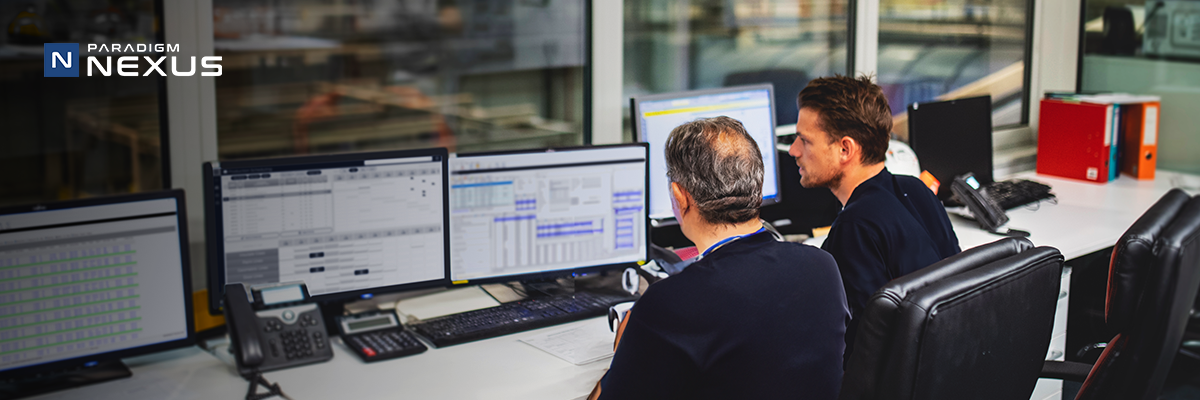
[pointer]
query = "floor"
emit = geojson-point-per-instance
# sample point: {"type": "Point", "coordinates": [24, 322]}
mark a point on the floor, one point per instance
{"type": "Point", "coordinates": [1182, 384]}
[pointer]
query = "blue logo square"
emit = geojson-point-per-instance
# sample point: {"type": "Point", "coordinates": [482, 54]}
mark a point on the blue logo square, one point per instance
{"type": "Point", "coordinates": [60, 60]}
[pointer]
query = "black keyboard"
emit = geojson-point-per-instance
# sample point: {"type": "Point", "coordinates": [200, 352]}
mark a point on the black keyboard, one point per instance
{"type": "Point", "coordinates": [1016, 193]}
{"type": "Point", "coordinates": [516, 316]}
{"type": "Point", "coordinates": [383, 344]}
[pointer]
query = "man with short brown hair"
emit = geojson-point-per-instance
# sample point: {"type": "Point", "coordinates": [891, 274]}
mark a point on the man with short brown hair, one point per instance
{"type": "Point", "coordinates": [890, 225]}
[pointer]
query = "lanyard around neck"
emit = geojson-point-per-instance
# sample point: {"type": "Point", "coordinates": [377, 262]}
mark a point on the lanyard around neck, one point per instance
{"type": "Point", "coordinates": [725, 241]}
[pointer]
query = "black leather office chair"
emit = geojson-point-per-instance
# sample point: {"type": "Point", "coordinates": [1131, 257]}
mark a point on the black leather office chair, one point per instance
{"type": "Point", "coordinates": [973, 326]}
{"type": "Point", "coordinates": [1152, 285]}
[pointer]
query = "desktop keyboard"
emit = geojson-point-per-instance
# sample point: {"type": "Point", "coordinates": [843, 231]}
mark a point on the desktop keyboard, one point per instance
{"type": "Point", "coordinates": [1016, 193]}
{"type": "Point", "coordinates": [1010, 194]}
{"type": "Point", "coordinates": [516, 316]}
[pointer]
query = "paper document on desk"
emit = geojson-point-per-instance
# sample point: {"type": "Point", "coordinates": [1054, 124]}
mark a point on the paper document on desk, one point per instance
{"type": "Point", "coordinates": [579, 345]}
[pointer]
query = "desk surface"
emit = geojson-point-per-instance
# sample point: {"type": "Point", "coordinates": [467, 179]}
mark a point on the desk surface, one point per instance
{"type": "Point", "coordinates": [1087, 218]}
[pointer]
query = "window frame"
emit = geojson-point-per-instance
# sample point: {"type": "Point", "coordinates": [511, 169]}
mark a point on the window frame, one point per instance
{"type": "Point", "coordinates": [191, 102]}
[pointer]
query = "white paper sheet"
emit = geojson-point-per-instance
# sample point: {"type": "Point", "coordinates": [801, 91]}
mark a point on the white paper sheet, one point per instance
{"type": "Point", "coordinates": [579, 345]}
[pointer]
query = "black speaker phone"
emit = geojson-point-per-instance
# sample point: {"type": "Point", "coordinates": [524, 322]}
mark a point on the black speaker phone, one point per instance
{"type": "Point", "coordinates": [280, 329]}
{"type": "Point", "coordinates": [989, 214]}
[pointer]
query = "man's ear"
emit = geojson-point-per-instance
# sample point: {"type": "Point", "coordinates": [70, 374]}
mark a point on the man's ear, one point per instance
{"type": "Point", "coordinates": [683, 200]}
{"type": "Point", "coordinates": [849, 151]}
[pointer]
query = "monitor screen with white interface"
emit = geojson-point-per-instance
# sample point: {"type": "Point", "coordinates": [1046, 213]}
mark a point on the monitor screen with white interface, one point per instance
{"type": "Point", "coordinates": [547, 212]}
{"type": "Point", "coordinates": [92, 280]}
{"type": "Point", "coordinates": [348, 225]}
{"type": "Point", "coordinates": [655, 116]}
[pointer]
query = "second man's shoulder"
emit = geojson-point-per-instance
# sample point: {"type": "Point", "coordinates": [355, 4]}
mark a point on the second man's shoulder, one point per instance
{"type": "Point", "coordinates": [808, 254]}
{"type": "Point", "coordinates": [913, 185]}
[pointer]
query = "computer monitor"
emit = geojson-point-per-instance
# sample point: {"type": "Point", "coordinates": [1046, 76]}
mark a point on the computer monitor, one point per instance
{"type": "Point", "coordinates": [88, 282]}
{"type": "Point", "coordinates": [952, 138]}
{"type": "Point", "coordinates": [347, 225]}
{"type": "Point", "coordinates": [654, 116]}
{"type": "Point", "coordinates": [546, 213]}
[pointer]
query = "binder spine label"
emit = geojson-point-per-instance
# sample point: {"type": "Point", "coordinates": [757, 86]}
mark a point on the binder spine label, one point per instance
{"type": "Point", "coordinates": [1150, 129]}
{"type": "Point", "coordinates": [1108, 120]}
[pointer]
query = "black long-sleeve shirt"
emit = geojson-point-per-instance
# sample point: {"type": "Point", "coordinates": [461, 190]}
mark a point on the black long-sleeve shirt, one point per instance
{"type": "Point", "coordinates": [755, 319]}
{"type": "Point", "coordinates": [891, 225]}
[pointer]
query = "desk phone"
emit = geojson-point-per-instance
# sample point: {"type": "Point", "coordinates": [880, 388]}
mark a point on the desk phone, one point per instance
{"type": "Point", "coordinates": [280, 330]}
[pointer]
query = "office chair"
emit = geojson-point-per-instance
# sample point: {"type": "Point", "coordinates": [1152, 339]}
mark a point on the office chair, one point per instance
{"type": "Point", "coordinates": [1153, 278]}
{"type": "Point", "coordinates": [1120, 32]}
{"type": "Point", "coordinates": [973, 326]}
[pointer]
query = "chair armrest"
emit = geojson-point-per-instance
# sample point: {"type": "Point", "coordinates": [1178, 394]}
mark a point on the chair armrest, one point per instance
{"type": "Point", "coordinates": [1066, 370]}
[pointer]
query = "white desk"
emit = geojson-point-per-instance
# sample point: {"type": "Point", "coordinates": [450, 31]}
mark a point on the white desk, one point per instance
{"type": "Point", "coordinates": [1087, 218]}
{"type": "Point", "coordinates": [497, 368]}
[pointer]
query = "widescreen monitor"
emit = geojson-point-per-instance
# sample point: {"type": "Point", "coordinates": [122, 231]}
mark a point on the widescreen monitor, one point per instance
{"type": "Point", "coordinates": [547, 213]}
{"type": "Point", "coordinates": [347, 225]}
{"type": "Point", "coordinates": [654, 117]}
{"type": "Point", "coordinates": [92, 281]}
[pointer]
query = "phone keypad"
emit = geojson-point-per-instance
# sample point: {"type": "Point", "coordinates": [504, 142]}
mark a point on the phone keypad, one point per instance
{"type": "Point", "coordinates": [296, 344]}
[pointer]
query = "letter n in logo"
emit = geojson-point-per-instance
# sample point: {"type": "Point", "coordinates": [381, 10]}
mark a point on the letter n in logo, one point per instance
{"type": "Point", "coordinates": [61, 60]}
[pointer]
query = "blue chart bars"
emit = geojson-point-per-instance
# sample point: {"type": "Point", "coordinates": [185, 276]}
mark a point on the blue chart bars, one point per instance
{"type": "Point", "coordinates": [538, 212]}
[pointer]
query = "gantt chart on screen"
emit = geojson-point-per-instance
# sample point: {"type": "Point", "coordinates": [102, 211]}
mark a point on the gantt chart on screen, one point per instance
{"type": "Point", "coordinates": [538, 212]}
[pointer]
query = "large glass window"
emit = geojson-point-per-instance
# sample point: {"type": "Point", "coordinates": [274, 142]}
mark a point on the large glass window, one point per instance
{"type": "Point", "coordinates": [676, 45]}
{"type": "Point", "coordinates": [932, 50]}
{"type": "Point", "coordinates": [65, 138]}
{"type": "Point", "coordinates": [1149, 47]}
{"type": "Point", "coordinates": [317, 76]}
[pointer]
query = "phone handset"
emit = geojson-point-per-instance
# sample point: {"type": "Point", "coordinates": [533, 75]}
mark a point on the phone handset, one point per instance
{"type": "Point", "coordinates": [280, 328]}
{"type": "Point", "coordinates": [247, 345]}
{"type": "Point", "coordinates": [989, 214]}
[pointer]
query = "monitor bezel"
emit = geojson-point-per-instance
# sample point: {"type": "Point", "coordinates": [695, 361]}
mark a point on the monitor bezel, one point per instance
{"type": "Point", "coordinates": [635, 104]}
{"type": "Point", "coordinates": [185, 271]}
{"type": "Point", "coordinates": [575, 271]}
{"type": "Point", "coordinates": [214, 230]}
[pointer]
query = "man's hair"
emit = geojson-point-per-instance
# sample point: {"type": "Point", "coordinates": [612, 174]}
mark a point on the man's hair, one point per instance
{"type": "Point", "coordinates": [851, 107]}
{"type": "Point", "coordinates": [719, 164]}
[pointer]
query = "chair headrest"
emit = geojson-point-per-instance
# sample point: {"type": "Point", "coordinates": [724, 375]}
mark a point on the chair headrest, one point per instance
{"type": "Point", "coordinates": [1133, 253]}
{"type": "Point", "coordinates": [956, 264]}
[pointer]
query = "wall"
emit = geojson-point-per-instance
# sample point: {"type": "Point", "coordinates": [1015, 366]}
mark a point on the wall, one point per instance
{"type": "Point", "coordinates": [1179, 85]}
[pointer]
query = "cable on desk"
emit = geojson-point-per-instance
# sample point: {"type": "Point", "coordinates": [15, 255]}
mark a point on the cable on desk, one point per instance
{"type": "Point", "coordinates": [519, 291]}
{"type": "Point", "coordinates": [272, 388]}
{"type": "Point", "coordinates": [220, 350]}
{"type": "Point", "coordinates": [1037, 205]}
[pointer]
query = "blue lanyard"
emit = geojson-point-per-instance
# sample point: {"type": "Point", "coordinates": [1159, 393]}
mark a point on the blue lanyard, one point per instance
{"type": "Point", "coordinates": [727, 240]}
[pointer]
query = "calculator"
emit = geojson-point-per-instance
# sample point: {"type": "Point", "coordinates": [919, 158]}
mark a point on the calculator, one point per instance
{"type": "Point", "coordinates": [378, 336]}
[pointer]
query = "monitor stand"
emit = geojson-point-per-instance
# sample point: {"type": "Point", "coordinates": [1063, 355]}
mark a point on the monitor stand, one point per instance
{"type": "Point", "coordinates": [59, 380]}
{"type": "Point", "coordinates": [549, 287]}
{"type": "Point", "coordinates": [606, 281]}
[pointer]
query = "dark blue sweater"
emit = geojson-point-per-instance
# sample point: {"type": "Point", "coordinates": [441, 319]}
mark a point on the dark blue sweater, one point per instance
{"type": "Point", "coordinates": [891, 225]}
{"type": "Point", "coordinates": [755, 319]}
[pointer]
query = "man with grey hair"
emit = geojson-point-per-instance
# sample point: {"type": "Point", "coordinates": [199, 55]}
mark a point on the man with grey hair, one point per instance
{"type": "Point", "coordinates": [753, 318]}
